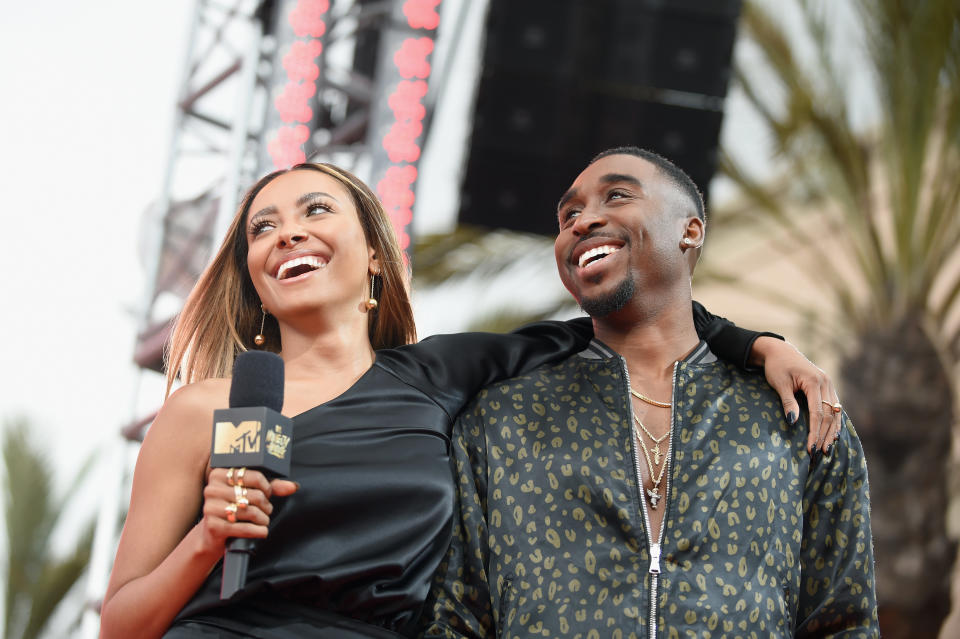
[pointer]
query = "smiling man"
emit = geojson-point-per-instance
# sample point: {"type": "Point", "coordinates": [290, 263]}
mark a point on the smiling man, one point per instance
{"type": "Point", "coordinates": [643, 488]}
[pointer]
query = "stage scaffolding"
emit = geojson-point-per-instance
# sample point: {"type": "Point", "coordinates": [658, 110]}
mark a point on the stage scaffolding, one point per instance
{"type": "Point", "coordinates": [267, 84]}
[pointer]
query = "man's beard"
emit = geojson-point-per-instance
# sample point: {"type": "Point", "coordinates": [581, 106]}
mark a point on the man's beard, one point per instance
{"type": "Point", "coordinates": [603, 306]}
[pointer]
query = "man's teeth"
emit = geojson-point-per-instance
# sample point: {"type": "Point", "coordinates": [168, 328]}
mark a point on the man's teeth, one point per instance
{"type": "Point", "coordinates": [308, 260]}
{"type": "Point", "coordinates": [599, 251]}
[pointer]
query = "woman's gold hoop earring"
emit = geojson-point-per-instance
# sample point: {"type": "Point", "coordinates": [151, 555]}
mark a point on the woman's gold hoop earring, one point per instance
{"type": "Point", "coordinates": [371, 302]}
{"type": "Point", "coordinates": [259, 339]}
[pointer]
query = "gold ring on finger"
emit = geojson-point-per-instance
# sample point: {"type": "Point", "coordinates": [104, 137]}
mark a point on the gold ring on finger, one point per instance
{"type": "Point", "coordinates": [836, 407]}
{"type": "Point", "coordinates": [231, 511]}
{"type": "Point", "coordinates": [239, 492]}
{"type": "Point", "coordinates": [230, 476]}
{"type": "Point", "coordinates": [240, 473]}
{"type": "Point", "coordinates": [242, 502]}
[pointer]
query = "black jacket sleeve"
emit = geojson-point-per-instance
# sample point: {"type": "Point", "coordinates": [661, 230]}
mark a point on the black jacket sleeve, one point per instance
{"type": "Point", "coordinates": [451, 368]}
{"type": "Point", "coordinates": [728, 341]}
{"type": "Point", "coordinates": [837, 595]}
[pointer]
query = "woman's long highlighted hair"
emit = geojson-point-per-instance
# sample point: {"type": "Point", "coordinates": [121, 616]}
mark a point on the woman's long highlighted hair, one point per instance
{"type": "Point", "coordinates": [222, 313]}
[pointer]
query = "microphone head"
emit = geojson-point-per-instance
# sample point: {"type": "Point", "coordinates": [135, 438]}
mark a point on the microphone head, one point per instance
{"type": "Point", "coordinates": [257, 381]}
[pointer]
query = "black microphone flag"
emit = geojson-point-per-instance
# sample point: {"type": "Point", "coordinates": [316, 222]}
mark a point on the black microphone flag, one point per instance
{"type": "Point", "coordinates": [253, 434]}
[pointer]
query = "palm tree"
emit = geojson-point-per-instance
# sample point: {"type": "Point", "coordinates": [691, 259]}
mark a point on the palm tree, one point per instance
{"type": "Point", "coordinates": [876, 211]}
{"type": "Point", "coordinates": [37, 582]}
{"type": "Point", "coordinates": [482, 274]}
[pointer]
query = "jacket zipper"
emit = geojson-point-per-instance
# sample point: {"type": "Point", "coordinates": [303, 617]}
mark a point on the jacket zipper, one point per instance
{"type": "Point", "coordinates": [654, 548]}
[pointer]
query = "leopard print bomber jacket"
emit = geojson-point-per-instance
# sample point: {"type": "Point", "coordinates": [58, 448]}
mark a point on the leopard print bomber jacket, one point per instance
{"type": "Point", "coordinates": [550, 538]}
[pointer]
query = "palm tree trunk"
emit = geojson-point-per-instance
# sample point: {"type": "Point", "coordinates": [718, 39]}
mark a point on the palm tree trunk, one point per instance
{"type": "Point", "coordinates": [895, 387]}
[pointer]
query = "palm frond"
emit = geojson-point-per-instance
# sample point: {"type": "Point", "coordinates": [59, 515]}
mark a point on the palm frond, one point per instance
{"type": "Point", "coordinates": [893, 187]}
{"type": "Point", "coordinates": [432, 254]}
{"type": "Point", "coordinates": [54, 582]}
{"type": "Point", "coordinates": [798, 230]}
{"type": "Point", "coordinates": [28, 487]}
{"type": "Point", "coordinates": [825, 153]}
{"type": "Point", "coordinates": [37, 581]}
{"type": "Point", "coordinates": [503, 321]}
{"type": "Point", "coordinates": [942, 311]}
{"type": "Point", "coordinates": [821, 330]}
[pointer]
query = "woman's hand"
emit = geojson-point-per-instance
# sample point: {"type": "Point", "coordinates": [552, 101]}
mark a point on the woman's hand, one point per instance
{"type": "Point", "coordinates": [236, 503]}
{"type": "Point", "coordinates": [165, 554]}
{"type": "Point", "coordinates": [789, 372]}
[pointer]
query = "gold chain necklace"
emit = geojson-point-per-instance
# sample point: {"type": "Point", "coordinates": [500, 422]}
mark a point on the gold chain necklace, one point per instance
{"type": "Point", "coordinates": [656, 448]}
{"type": "Point", "coordinates": [652, 402]}
{"type": "Point", "coordinates": [653, 495]}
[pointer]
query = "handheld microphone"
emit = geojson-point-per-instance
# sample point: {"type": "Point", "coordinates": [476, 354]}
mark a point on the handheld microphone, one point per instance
{"type": "Point", "coordinates": [253, 434]}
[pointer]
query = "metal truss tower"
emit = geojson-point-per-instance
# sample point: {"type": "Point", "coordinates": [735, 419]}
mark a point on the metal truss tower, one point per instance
{"type": "Point", "coordinates": [267, 84]}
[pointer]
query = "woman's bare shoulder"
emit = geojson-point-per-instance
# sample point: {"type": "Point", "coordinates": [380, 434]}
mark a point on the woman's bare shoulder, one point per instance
{"type": "Point", "coordinates": [207, 394]}
{"type": "Point", "coordinates": [188, 411]}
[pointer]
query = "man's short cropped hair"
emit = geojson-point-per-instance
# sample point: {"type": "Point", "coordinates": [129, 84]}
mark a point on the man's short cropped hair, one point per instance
{"type": "Point", "coordinates": [673, 172]}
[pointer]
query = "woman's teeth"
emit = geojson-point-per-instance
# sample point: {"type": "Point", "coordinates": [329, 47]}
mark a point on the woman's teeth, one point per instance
{"type": "Point", "coordinates": [299, 266]}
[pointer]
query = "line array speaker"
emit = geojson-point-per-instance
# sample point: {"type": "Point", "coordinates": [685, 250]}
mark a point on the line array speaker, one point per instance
{"type": "Point", "coordinates": [565, 79]}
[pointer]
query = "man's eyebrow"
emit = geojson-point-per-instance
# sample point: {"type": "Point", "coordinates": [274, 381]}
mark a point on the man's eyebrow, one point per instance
{"type": "Point", "coordinates": [303, 199]}
{"type": "Point", "coordinates": [611, 178]}
{"type": "Point", "coordinates": [569, 195]}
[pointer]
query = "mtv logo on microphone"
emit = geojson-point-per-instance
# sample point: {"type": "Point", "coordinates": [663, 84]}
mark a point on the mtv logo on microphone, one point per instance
{"type": "Point", "coordinates": [255, 437]}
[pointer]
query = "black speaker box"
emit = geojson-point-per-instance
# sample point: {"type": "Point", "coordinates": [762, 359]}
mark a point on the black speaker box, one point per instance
{"type": "Point", "coordinates": [564, 80]}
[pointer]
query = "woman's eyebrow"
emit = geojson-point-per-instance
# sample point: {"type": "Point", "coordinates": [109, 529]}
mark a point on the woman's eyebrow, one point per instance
{"type": "Point", "coordinates": [303, 199]}
{"type": "Point", "coordinates": [267, 210]}
{"type": "Point", "coordinates": [309, 197]}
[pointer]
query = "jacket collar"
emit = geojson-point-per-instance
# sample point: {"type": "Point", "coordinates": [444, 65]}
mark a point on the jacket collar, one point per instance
{"type": "Point", "coordinates": [598, 350]}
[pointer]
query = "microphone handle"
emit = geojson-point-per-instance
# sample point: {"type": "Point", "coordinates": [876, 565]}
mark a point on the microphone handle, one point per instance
{"type": "Point", "coordinates": [256, 438]}
{"type": "Point", "coordinates": [236, 557]}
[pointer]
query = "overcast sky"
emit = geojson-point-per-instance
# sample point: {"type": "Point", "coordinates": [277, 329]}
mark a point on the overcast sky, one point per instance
{"type": "Point", "coordinates": [85, 117]}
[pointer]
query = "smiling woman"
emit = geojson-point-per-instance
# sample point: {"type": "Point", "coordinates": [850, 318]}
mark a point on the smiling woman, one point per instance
{"type": "Point", "coordinates": [310, 269]}
{"type": "Point", "coordinates": [205, 344]}
{"type": "Point", "coordinates": [299, 229]}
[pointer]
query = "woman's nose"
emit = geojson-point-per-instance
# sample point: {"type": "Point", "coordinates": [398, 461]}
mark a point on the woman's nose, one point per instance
{"type": "Point", "coordinates": [291, 235]}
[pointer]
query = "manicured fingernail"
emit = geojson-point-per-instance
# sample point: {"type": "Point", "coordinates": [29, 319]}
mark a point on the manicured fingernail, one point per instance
{"type": "Point", "coordinates": [792, 417]}
{"type": "Point", "coordinates": [297, 484]}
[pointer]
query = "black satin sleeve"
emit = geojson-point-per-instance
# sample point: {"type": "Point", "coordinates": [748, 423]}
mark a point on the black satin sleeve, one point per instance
{"type": "Point", "coordinates": [728, 341]}
{"type": "Point", "coordinates": [451, 369]}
